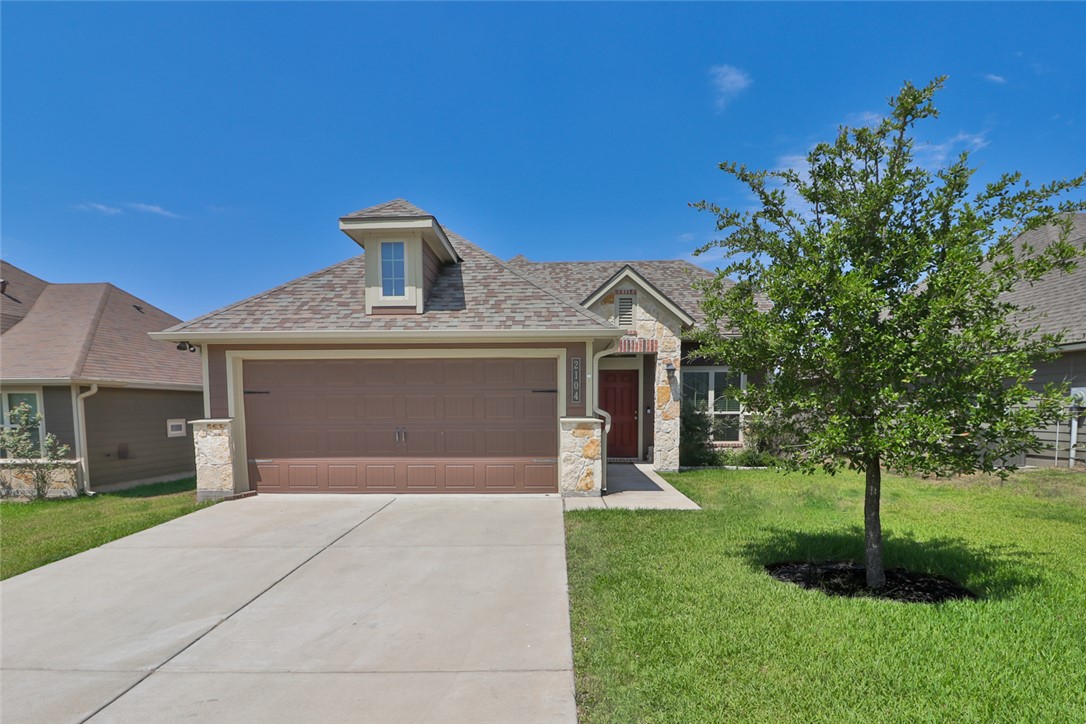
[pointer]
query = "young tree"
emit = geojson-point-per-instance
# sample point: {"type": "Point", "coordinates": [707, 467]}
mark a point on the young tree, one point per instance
{"type": "Point", "coordinates": [30, 454]}
{"type": "Point", "coordinates": [887, 342]}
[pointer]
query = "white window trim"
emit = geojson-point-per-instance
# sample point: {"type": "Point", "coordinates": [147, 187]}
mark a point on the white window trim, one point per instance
{"type": "Point", "coordinates": [381, 270]}
{"type": "Point", "coordinates": [176, 421]}
{"type": "Point", "coordinates": [710, 411]}
{"type": "Point", "coordinates": [37, 392]}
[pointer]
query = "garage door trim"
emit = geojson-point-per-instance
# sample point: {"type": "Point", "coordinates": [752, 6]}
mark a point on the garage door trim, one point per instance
{"type": "Point", "coordinates": [235, 380]}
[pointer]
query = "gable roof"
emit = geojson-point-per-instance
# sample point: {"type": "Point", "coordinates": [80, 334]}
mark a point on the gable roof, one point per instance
{"type": "Point", "coordinates": [1059, 297]}
{"type": "Point", "coordinates": [91, 333]}
{"type": "Point", "coordinates": [629, 274]}
{"type": "Point", "coordinates": [578, 280]}
{"type": "Point", "coordinates": [395, 209]}
{"type": "Point", "coordinates": [480, 294]}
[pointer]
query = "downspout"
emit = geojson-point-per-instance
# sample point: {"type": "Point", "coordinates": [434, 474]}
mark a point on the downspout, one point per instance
{"type": "Point", "coordinates": [82, 441]}
{"type": "Point", "coordinates": [594, 387]}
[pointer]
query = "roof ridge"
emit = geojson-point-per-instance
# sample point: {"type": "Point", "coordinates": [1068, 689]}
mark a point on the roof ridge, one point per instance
{"type": "Point", "coordinates": [92, 328]}
{"type": "Point", "coordinates": [586, 313]}
{"type": "Point", "coordinates": [258, 295]}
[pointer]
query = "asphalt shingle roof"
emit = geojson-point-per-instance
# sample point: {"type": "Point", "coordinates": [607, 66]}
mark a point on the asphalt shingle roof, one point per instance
{"type": "Point", "coordinates": [1059, 297]}
{"type": "Point", "coordinates": [89, 332]}
{"type": "Point", "coordinates": [481, 293]}
{"type": "Point", "coordinates": [577, 280]}
{"type": "Point", "coordinates": [397, 208]}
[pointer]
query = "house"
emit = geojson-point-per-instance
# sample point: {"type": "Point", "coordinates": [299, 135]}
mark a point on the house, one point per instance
{"type": "Point", "coordinates": [79, 354]}
{"type": "Point", "coordinates": [1060, 301]}
{"type": "Point", "coordinates": [427, 364]}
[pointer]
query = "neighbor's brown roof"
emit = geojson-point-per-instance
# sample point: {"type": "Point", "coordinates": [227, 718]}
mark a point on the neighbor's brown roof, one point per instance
{"type": "Point", "coordinates": [481, 293]}
{"type": "Point", "coordinates": [22, 290]}
{"type": "Point", "coordinates": [91, 332]}
{"type": "Point", "coordinates": [1059, 298]}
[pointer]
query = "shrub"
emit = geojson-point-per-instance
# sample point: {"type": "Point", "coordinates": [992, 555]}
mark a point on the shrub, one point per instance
{"type": "Point", "coordinates": [37, 459]}
{"type": "Point", "coordinates": [695, 439]}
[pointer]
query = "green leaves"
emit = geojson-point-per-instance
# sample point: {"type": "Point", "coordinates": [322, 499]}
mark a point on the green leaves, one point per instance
{"type": "Point", "coordinates": [885, 332]}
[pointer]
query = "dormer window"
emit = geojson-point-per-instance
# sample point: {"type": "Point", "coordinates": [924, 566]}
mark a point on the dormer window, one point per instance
{"type": "Point", "coordinates": [393, 270]}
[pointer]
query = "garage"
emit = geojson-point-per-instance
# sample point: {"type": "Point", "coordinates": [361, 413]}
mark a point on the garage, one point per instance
{"type": "Point", "coordinates": [402, 425]}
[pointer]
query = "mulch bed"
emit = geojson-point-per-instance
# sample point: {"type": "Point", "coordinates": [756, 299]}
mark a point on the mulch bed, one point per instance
{"type": "Point", "coordinates": [848, 579]}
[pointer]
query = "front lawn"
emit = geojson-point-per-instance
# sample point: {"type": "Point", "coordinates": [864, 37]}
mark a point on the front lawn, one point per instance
{"type": "Point", "coordinates": [674, 619]}
{"type": "Point", "coordinates": [33, 534]}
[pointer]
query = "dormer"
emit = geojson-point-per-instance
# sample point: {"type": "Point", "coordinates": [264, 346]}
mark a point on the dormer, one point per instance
{"type": "Point", "coordinates": [405, 250]}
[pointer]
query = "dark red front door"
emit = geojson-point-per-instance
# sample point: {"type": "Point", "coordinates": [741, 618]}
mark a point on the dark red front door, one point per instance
{"type": "Point", "coordinates": [618, 395]}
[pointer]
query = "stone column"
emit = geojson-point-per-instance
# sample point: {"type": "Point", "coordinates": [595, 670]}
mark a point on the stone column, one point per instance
{"type": "Point", "coordinates": [581, 457]}
{"type": "Point", "coordinates": [665, 454]}
{"type": "Point", "coordinates": [214, 443]}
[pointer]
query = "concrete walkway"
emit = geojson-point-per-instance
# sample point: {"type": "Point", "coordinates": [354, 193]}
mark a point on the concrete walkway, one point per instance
{"type": "Point", "coordinates": [302, 608]}
{"type": "Point", "coordinates": [635, 487]}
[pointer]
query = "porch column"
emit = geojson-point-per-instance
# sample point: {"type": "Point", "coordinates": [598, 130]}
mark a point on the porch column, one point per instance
{"type": "Point", "coordinates": [581, 457]}
{"type": "Point", "coordinates": [214, 442]}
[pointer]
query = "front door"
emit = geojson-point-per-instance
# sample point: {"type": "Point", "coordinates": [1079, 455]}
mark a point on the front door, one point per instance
{"type": "Point", "coordinates": [618, 395]}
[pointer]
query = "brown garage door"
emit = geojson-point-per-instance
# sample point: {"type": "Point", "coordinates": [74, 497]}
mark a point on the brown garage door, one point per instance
{"type": "Point", "coordinates": [379, 426]}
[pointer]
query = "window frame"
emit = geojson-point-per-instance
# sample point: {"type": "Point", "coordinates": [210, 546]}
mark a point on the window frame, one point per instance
{"type": "Point", "coordinates": [176, 421]}
{"type": "Point", "coordinates": [710, 408]}
{"type": "Point", "coordinates": [402, 278]}
{"type": "Point", "coordinates": [39, 402]}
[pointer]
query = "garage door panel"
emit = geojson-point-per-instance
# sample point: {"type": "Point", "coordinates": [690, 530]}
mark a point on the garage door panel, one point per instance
{"type": "Point", "coordinates": [302, 441]}
{"type": "Point", "coordinates": [302, 475]}
{"type": "Point", "coordinates": [402, 425]}
{"type": "Point", "coordinates": [501, 407]}
{"type": "Point", "coordinates": [381, 407]}
{"type": "Point", "coordinates": [541, 443]}
{"type": "Point", "coordinates": [421, 476]}
{"type": "Point", "coordinates": [342, 477]}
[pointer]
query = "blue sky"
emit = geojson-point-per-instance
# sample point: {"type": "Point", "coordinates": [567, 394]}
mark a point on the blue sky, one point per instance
{"type": "Point", "coordinates": [198, 153]}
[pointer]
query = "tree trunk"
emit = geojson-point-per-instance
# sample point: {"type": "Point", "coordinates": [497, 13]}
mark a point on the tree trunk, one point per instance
{"type": "Point", "coordinates": [876, 575]}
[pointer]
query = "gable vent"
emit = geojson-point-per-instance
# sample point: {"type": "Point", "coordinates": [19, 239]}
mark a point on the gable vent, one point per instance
{"type": "Point", "coordinates": [625, 311]}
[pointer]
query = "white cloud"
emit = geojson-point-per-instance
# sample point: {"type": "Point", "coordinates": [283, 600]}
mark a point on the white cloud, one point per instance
{"type": "Point", "coordinates": [936, 154]}
{"type": "Point", "coordinates": [153, 209]}
{"type": "Point", "coordinates": [728, 82]}
{"type": "Point", "coordinates": [863, 118]}
{"type": "Point", "coordinates": [993, 78]}
{"type": "Point", "coordinates": [100, 208]}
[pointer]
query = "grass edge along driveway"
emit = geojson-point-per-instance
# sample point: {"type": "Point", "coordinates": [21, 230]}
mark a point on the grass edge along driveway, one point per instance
{"type": "Point", "coordinates": [40, 532]}
{"type": "Point", "coordinates": [673, 618]}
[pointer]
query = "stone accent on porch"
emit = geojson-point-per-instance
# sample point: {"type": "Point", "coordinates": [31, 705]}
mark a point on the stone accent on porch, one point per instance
{"type": "Point", "coordinates": [214, 458]}
{"type": "Point", "coordinates": [662, 328]}
{"type": "Point", "coordinates": [580, 450]}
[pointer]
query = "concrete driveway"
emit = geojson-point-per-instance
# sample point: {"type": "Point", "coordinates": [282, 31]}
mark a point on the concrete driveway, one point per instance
{"type": "Point", "coordinates": [302, 608]}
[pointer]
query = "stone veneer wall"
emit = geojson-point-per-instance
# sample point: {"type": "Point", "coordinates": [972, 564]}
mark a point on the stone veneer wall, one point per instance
{"type": "Point", "coordinates": [214, 458]}
{"type": "Point", "coordinates": [580, 454]}
{"type": "Point", "coordinates": [653, 321]}
{"type": "Point", "coordinates": [17, 483]}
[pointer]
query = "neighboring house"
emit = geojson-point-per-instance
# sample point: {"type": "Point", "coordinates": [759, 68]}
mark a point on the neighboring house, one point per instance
{"type": "Point", "coordinates": [429, 365]}
{"type": "Point", "coordinates": [79, 354]}
{"type": "Point", "coordinates": [1060, 299]}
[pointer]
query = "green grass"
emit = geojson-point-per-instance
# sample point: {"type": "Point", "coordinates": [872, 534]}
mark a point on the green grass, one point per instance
{"type": "Point", "coordinates": [674, 619]}
{"type": "Point", "coordinates": [33, 534]}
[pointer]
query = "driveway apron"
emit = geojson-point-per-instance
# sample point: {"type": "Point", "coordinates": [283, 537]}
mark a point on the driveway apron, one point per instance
{"type": "Point", "coordinates": [302, 608]}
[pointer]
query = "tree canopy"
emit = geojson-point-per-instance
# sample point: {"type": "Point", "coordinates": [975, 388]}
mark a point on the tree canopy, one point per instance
{"type": "Point", "coordinates": [886, 336]}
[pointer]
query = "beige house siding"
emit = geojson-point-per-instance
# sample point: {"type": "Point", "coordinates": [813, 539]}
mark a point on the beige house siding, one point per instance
{"type": "Point", "coordinates": [136, 419]}
{"type": "Point", "coordinates": [57, 404]}
{"type": "Point", "coordinates": [1069, 367]}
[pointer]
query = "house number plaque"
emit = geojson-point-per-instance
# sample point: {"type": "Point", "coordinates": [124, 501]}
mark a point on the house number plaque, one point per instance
{"type": "Point", "coordinates": [575, 388]}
